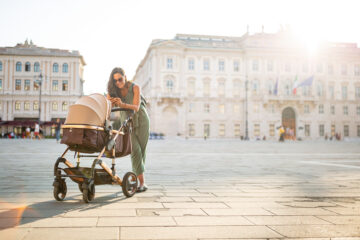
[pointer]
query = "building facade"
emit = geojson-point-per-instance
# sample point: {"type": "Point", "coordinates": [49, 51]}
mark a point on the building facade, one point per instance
{"type": "Point", "coordinates": [61, 85]}
{"type": "Point", "coordinates": [232, 87]}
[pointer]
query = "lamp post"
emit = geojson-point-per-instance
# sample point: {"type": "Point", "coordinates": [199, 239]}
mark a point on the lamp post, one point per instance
{"type": "Point", "coordinates": [246, 109]}
{"type": "Point", "coordinates": [39, 80]}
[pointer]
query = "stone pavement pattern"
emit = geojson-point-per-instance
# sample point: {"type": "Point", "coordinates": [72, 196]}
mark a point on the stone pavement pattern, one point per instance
{"type": "Point", "coordinates": [198, 190]}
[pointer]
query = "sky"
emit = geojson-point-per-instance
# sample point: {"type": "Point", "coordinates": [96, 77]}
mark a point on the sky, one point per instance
{"type": "Point", "coordinates": [117, 33]}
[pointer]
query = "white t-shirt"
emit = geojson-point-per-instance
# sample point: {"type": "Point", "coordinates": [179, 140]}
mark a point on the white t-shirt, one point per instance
{"type": "Point", "coordinates": [37, 128]}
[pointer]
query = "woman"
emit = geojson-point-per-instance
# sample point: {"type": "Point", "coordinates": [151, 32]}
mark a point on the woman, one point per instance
{"type": "Point", "coordinates": [125, 94]}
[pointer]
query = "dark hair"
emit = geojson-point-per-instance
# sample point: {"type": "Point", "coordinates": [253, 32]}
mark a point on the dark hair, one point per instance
{"type": "Point", "coordinates": [111, 87]}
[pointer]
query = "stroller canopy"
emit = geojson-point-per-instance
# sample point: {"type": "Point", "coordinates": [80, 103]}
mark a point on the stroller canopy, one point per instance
{"type": "Point", "coordinates": [90, 110]}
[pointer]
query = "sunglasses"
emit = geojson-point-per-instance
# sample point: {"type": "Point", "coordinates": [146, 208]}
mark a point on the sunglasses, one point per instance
{"type": "Point", "coordinates": [118, 80]}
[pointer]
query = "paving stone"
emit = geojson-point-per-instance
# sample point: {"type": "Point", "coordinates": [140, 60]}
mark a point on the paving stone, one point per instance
{"type": "Point", "coordinates": [195, 205]}
{"type": "Point", "coordinates": [342, 220]}
{"type": "Point", "coordinates": [285, 220]}
{"type": "Point", "coordinates": [299, 211]}
{"type": "Point", "coordinates": [135, 221]}
{"type": "Point", "coordinates": [101, 213]}
{"type": "Point", "coordinates": [305, 231]}
{"type": "Point", "coordinates": [197, 232]}
{"type": "Point", "coordinates": [171, 212]}
{"type": "Point", "coordinates": [237, 212]}
{"type": "Point", "coordinates": [210, 220]}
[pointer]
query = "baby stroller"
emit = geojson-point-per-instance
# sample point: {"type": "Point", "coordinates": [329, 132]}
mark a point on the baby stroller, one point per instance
{"type": "Point", "coordinates": [87, 130]}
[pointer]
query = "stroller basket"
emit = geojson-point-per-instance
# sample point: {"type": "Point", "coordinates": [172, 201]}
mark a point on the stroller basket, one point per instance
{"type": "Point", "coordinates": [77, 174]}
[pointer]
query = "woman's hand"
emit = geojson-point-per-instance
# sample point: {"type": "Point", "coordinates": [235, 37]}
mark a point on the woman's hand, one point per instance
{"type": "Point", "coordinates": [116, 102]}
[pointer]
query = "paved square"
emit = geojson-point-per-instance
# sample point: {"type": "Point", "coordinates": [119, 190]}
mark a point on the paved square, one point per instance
{"type": "Point", "coordinates": [224, 189]}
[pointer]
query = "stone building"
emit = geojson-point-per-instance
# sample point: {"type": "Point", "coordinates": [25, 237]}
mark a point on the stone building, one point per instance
{"type": "Point", "coordinates": [196, 87]}
{"type": "Point", "coordinates": [61, 85]}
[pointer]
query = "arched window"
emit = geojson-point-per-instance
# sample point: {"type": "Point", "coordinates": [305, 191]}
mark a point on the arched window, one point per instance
{"type": "Point", "coordinates": [18, 66]}
{"type": "Point", "coordinates": [64, 106]}
{"type": "Point", "coordinates": [0, 66]}
{"type": "Point", "coordinates": [169, 85]}
{"type": "Point", "coordinates": [65, 68]}
{"type": "Point", "coordinates": [54, 106]}
{"type": "Point", "coordinates": [55, 67]}
{"type": "Point", "coordinates": [17, 105]}
{"type": "Point", "coordinates": [27, 67]}
{"type": "Point", "coordinates": [36, 67]}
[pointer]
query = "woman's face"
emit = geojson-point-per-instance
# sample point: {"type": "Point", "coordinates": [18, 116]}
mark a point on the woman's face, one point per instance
{"type": "Point", "coordinates": [119, 80]}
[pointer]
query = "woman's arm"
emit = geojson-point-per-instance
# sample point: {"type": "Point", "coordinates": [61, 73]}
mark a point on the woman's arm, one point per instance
{"type": "Point", "coordinates": [136, 101]}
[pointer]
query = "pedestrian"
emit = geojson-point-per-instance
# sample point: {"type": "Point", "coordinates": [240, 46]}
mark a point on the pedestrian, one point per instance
{"type": "Point", "coordinates": [27, 130]}
{"type": "Point", "coordinates": [125, 94]}
{"type": "Point", "coordinates": [57, 129]}
{"type": "Point", "coordinates": [37, 131]}
{"type": "Point", "coordinates": [281, 134]}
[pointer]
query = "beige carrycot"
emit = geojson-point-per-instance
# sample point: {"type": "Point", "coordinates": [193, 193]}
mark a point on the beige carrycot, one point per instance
{"type": "Point", "coordinates": [85, 129]}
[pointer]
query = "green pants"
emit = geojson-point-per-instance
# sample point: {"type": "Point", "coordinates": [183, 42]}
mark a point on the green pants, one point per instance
{"type": "Point", "coordinates": [139, 140]}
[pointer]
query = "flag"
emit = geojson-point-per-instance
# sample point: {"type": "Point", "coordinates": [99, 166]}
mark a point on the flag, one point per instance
{"type": "Point", "coordinates": [306, 82]}
{"type": "Point", "coordinates": [295, 84]}
{"type": "Point", "coordinates": [276, 87]}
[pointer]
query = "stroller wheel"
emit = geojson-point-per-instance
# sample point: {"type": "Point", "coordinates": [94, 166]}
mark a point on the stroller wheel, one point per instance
{"type": "Point", "coordinates": [129, 184]}
{"type": "Point", "coordinates": [88, 192]}
{"type": "Point", "coordinates": [60, 189]}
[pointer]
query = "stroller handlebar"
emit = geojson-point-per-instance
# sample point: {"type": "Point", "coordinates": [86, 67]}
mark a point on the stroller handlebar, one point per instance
{"type": "Point", "coordinates": [116, 109]}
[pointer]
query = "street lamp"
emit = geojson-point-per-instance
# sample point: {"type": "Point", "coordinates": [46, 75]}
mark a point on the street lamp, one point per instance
{"type": "Point", "coordinates": [246, 109]}
{"type": "Point", "coordinates": [39, 80]}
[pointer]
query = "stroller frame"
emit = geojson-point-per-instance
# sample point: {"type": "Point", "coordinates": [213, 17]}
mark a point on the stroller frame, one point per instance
{"type": "Point", "coordinates": [87, 178]}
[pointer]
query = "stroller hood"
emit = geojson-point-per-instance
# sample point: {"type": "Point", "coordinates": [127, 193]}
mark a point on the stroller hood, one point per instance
{"type": "Point", "coordinates": [90, 110]}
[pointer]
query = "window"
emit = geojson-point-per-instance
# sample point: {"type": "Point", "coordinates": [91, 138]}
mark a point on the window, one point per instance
{"type": "Point", "coordinates": [272, 130]}
{"type": "Point", "coordinates": [221, 108]}
{"type": "Point", "coordinates": [358, 130]}
{"type": "Point", "coordinates": [332, 109]}
{"type": "Point", "coordinates": [27, 106]}
{"type": "Point", "coordinates": [27, 67]}
{"type": "Point", "coordinates": [206, 107]}
{"type": "Point", "coordinates": [306, 90]}
{"type": "Point", "coordinates": [191, 129]}
{"type": "Point", "coordinates": [257, 130]}
{"type": "Point", "coordinates": [321, 108]}
{"type": "Point", "coordinates": [270, 66]}
{"type": "Point", "coordinates": [236, 89]}
{"type": "Point", "coordinates": [306, 108]}
{"type": "Point", "coordinates": [36, 105]}
{"type": "Point", "coordinates": [1, 84]}
{"type": "Point", "coordinates": [237, 130]}
{"type": "Point", "coordinates": [319, 68]}
{"type": "Point", "coordinates": [27, 85]}
{"type": "Point", "coordinates": [236, 66]}
{"type": "Point", "coordinates": [221, 89]}
{"type": "Point", "coordinates": [344, 92]}
{"type": "Point", "coordinates": [191, 88]}
{"type": "Point", "coordinates": [64, 85]}
{"type": "Point", "coordinates": [35, 86]}
{"type": "Point", "coordinates": [17, 105]}
{"type": "Point", "coordinates": [358, 110]}
{"type": "Point", "coordinates": [36, 67]}
{"type": "Point", "coordinates": [18, 84]}
{"type": "Point", "coordinates": [255, 86]}
{"type": "Point", "coordinates": [169, 63]}
{"type": "Point", "coordinates": [55, 67]}
{"type": "Point", "coordinates": [343, 69]}
{"type": "Point", "coordinates": [272, 107]}
{"type": "Point", "coordinates": [332, 129]}
{"type": "Point", "coordinates": [345, 110]}
{"type": "Point", "coordinates": [206, 88]}
{"type": "Point", "coordinates": [221, 130]}
{"type": "Point", "coordinates": [169, 85]}
{"type": "Point", "coordinates": [319, 89]}
{"type": "Point", "coordinates": [207, 130]}
{"type": "Point", "coordinates": [191, 107]}
{"type": "Point", "coordinates": [357, 70]}
{"type": "Point", "coordinates": [54, 106]}
{"type": "Point", "coordinates": [65, 68]}
{"type": "Point", "coordinates": [255, 65]}
{"type": "Point", "coordinates": [307, 130]}
{"type": "Point", "coordinates": [64, 106]}
{"type": "Point", "coordinates": [321, 130]}
{"type": "Point", "coordinates": [236, 108]}
{"type": "Point", "coordinates": [330, 69]}
{"type": "Point", "coordinates": [357, 92]}
{"type": "Point", "coordinates": [0, 66]}
{"type": "Point", "coordinates": [55, 85]}
{"type": "Point", "coordinates": [206, 64]}
{"type": "Point", "coordinates": [191, 64]}
{"type": "Point", "coordinates": [331, 91]}
{"type": "Point", "coordinates": [346, 130]}
{"type": "Point", "coordinates": [287, 89]}
{"type": "Point", "coordinates": [221, 65]}
{"type": "Point", "coordinates": [18, 66]}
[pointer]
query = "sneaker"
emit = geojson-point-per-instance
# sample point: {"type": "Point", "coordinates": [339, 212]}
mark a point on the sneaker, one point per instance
{"type": "Point", "coordinates": [142, 188]}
